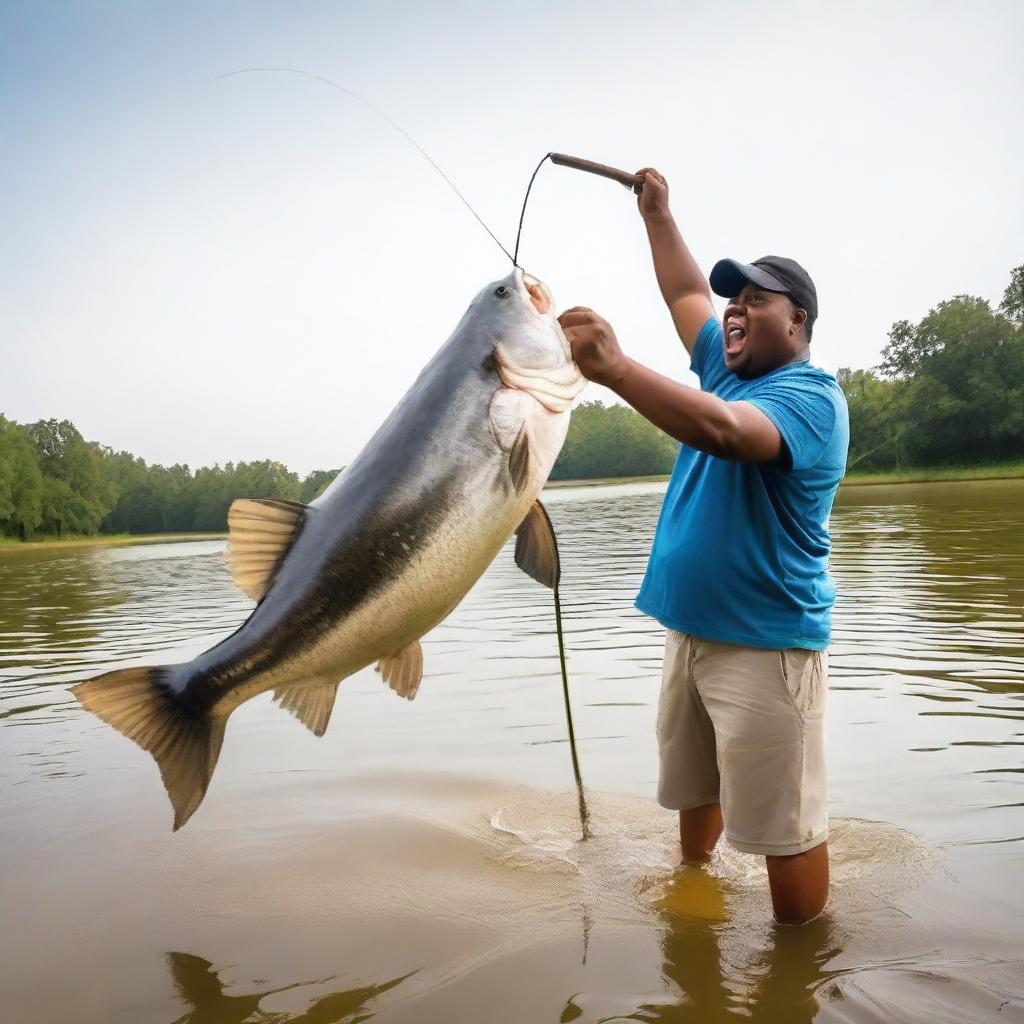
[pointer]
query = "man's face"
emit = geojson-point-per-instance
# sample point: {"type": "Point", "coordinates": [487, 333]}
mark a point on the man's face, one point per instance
{"type": "Point", "coordinates": [759, 335]}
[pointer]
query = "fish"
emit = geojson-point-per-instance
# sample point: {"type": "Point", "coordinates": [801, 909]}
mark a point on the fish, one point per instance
{"type": "Point", "coordinates": [384, 555]}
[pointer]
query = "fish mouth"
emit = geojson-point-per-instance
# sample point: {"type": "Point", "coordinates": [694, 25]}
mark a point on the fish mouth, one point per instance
{"type": "Point", "coordinates": [538, 293]}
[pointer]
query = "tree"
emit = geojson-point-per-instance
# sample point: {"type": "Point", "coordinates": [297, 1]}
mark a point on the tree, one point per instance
{"type": "Point", "coordinates": [21, 482]}
{"type": "Point", "coordinates": [613, 441]}
{"type": "Point", "coordinates": [316, 483]}
{"type": "Point", "coordinates": [876, 419]}
{"type": "Point", "coordinates": [962, 375]}
{"type": "Point", "coordinates": [77, 494]}
{"type": "Point", "coordinates": [1012, 306]}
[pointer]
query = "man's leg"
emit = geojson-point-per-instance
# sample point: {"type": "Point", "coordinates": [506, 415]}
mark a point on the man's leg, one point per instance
{"type": "Point", "coordinates": [688, 769]}
{"type": "Point", "coordinates": [699, 830]}
{"type": "Point", "coordinates": [799, 884]}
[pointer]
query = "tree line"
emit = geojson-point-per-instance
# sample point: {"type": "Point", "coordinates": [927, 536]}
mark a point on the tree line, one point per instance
{"type": "Point", "coordinates": [949, 391]}
{"type": "Point", "coordinates": [53, 482]}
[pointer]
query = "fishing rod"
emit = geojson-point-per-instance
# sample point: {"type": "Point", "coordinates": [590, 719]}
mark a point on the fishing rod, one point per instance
{"type": "Point", "coordinates": [632, 181]}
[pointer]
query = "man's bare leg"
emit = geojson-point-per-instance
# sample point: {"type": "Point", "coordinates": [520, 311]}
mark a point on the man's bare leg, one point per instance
{"type": "Point", "coordinates": [799, 885]}
{"type": "Point", "coordinates": [699, 829]}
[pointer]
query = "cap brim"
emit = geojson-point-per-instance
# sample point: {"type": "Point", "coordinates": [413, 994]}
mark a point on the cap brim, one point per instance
{"type": "Point", "coordinates": [729, 277]}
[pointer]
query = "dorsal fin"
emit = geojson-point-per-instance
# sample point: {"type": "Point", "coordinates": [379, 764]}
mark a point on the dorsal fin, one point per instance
{"type": "Point", "coordinates": [262, 531]}
{"type": "Point", "coordinates": [310, 703]}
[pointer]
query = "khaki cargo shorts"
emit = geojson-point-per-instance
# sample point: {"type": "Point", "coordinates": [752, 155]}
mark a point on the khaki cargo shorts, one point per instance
{"type": "Point", "coordinates": [745, 728]}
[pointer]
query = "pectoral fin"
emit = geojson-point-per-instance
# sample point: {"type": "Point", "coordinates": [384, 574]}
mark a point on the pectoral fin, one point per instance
{"type": "Point", "coordinates": [262, 531]}
{"type": "Point", "coordinates": [403, 670]}
{"type": "Point", "coordinates": [519, 460]}
{"type": "Point", "coordinates": [310, 703]}
{"type": "Point", "coordinates": [536, 547]}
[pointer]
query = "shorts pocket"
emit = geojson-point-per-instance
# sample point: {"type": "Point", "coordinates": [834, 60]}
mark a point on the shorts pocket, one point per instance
{"type": "Point", "coordinates": [801, 674]}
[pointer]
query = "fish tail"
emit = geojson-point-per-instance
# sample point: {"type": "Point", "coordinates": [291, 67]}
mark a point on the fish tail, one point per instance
{"type": "Point", "coordinates": [184, 742]}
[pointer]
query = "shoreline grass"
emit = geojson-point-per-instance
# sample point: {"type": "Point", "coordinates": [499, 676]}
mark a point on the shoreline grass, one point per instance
{"type": "Point", "coordinates": [104, 539]}
{"type": "Point", "coordinates": [936, 474]}
{"type": "Point", "coordinates": [864, 478]}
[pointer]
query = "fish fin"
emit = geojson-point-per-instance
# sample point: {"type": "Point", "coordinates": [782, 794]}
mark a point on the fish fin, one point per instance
{"type": "Point", "coordinates": [185, 744]}
{"type": "Point", "coordinates": [536, 547]}
{"type": "Point", "coordinates": [311, 703]}
{"type": "Point", "coordinates": [262, 531]}
{"type": "Point", "coordinates": [507, 414]}
{"type": "Point", "coordinates": [519, 460]}
{"type": "Point", "coordinates": [403, 670]}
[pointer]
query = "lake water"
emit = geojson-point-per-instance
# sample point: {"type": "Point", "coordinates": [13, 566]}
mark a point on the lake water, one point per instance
{"type": "Point", "coordinates": [422, 861]}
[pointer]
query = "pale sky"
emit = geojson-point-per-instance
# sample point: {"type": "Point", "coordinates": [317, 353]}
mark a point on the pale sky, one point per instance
{"type": "Point", "coordinates": [257, 267]}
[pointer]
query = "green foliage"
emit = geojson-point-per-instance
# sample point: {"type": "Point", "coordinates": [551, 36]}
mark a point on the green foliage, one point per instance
{"type": "Point", "coordinates": [21, 482]}
{"type": "Point", "coordinates": [609, 441]}
{"type": "Point", "coordinates": [1012, 306]}
{"type": "Point", "coordinates": [214, 489]}
{"type": "Point", "coordinates": [77, 493]}
{"type": "Point", "coordinates": [316, 483]}
{"type": "Point", "coordinates": [951, 389]}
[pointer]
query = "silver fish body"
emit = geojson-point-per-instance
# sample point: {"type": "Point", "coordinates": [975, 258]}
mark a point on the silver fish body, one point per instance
{"type": "Point", "coordinates": [384, 555]}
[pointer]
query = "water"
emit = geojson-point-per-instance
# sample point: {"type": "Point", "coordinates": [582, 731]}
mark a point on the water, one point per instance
{"type": "Point", "coordinates": [421, 862]}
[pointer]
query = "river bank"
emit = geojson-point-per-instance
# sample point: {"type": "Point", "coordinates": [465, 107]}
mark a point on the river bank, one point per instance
{"type": "Point", "coordinates": [104, 539]}
{"type": "Point", "coordinates": [921, 475]}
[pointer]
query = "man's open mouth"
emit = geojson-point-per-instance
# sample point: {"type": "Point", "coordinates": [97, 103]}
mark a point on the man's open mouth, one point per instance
{"type": "Point", "coordinates": [735, 335]}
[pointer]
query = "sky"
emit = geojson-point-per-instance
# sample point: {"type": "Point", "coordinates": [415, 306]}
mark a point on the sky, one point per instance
{"type": "Point", "coordinates": [201, 269]}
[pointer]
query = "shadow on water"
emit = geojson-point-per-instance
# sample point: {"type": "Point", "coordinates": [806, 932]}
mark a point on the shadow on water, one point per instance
{"type": "Point", "coordinates": [199, 987]}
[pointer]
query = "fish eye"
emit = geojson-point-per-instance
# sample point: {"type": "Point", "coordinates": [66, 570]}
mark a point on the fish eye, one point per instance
{"type": "Point", "coordinates": [502, 292]}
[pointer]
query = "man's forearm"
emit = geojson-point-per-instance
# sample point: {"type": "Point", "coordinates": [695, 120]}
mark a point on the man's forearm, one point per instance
{"type": "Point", "coordinates": [675, 268]}
{"type": "Point", "coordinates": [699, 420]}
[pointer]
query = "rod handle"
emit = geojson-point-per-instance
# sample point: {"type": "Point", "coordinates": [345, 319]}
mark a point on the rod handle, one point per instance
{"type": "Point", "coordinates": [631, 181]}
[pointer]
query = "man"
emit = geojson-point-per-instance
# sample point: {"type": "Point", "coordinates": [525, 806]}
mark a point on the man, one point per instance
{"type": "Point", "coordinates": [738, 570]}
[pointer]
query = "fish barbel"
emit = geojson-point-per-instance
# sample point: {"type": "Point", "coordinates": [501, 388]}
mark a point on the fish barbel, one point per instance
{"type": "Point", "coordinates": [385, 554]}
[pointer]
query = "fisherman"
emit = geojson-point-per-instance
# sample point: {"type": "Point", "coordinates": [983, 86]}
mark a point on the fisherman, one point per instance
{"type": "Point", "coordinates": [738, 570]}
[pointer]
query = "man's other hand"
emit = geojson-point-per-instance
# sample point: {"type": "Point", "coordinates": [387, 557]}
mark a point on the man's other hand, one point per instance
{"type": "Point", "coordinates": [653, 198]}
{"type": "Point", "coordinates": [595, 348]}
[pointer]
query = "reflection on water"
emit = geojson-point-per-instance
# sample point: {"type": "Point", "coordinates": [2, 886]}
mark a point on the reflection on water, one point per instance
{"type": "Point", "coordinates": [422, 862]}
{"type": "Point", "coordinates": [199, 987]}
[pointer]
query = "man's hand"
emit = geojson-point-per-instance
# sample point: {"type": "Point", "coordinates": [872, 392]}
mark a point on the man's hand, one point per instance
{"type": "Point", "coordinates": [653, 198]}
{"type": "Point", "coordinates": [595, 349]}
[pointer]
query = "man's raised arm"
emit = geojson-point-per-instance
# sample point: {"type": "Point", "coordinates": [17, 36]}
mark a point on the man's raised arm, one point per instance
{"type": "Point", "coordinates": [683, 286]}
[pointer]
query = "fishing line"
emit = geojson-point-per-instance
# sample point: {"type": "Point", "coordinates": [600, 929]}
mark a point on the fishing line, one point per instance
{"type": "Point", "coordinates": [634, 182]}
{"type": "Point", "coordinates": [581, 797]}
{"type": "Point", "coordinates": [395, 125]}
{"type": "Point", "coordinates": [522, 214]}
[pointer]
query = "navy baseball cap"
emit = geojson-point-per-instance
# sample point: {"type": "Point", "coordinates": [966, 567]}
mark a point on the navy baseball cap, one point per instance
{"type": "Point", "coordinates": [774, 274]}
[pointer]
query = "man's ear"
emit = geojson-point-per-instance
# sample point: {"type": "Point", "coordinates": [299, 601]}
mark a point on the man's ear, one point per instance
{"type": "Point", "coordinates": [797, 319]}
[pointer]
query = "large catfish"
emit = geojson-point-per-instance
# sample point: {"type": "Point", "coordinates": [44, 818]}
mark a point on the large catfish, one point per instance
{"type": "Point", "coordinates": [392, 546]}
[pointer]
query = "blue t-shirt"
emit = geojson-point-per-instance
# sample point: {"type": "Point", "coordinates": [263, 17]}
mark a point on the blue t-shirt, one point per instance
{"type": "Point", "coordinates": [741, 550]}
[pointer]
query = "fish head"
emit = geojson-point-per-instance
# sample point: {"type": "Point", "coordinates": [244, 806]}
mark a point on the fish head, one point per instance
{"type": "Point", "coordinates": [520, 311]}
{"type": "Point", "coordinates": [531, 352]}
